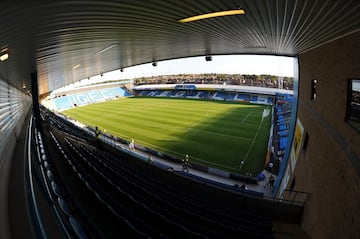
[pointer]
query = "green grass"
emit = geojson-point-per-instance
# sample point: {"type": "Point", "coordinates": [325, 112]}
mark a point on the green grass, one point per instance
{"type": "Point", "coordinates": [213, 133]}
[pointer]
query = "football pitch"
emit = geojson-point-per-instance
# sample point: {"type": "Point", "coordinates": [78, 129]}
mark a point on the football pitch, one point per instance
{"type": "Point", "coordinates": [225, 135]}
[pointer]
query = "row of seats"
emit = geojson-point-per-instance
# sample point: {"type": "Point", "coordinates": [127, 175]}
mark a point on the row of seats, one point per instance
{"type": "Point", "coordinates": [84, 98]}
{"type": "Point", "coordinates": [133, 216]}
{"type": "Point", "coordinates": [282, 118]}
{"type": "Point", "coordinates": [93, 198]}
{"type": "Point", "coordinates": [231, 96]}
{"type": "Point", "coordinates": [60, 122]}
{"type": "Point", "coordinates": [149, 185]}
{"type": "Point", "coordinates": [107, 179]}
{"type": "Point", "coordinates": [71, 218]}
{"type": "Point", "coordinates": [283, 111]}
{"type": "Point", "coordinates": [157, 186]}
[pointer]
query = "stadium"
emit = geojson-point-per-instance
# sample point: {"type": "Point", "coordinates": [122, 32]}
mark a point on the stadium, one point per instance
{"type": "Point", "coordinates": [178, 156]}
{"type": "Point", "coordinates": [237, 145]}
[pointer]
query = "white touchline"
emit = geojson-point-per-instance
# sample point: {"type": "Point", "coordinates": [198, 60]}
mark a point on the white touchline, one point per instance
{"type": "Point", "coordinates": [251, 145]}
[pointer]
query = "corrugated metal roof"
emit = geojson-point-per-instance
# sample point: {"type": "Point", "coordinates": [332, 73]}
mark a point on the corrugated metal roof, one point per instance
{"type": "Point", "coordinates": [99, 36]}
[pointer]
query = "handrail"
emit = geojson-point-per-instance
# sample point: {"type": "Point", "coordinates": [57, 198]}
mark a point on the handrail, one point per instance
{"type": "Point", "coordinates": [33, 207]}
{"type": "Point", "coordinates": [116, 143]}
{"type": "Point", "coordinates": [50, 197]}
{"type": "Point", "coordinates": [31, 176]}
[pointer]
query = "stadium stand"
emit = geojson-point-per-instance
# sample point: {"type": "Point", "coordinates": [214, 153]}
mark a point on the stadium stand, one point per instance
{"type": "Point", "coordinates": [72, 220]}
{"type": "Point", "coordinates": [102, 174]}
{"type": "Point", "coordinates": [217, 95]}
{"type": "Point", "coordinates": [63, 103]}
{"type": "Point", "coordinates": [119, 92]}
{"type": "Point", "coordinates": [254, 99]}
{"type": "Point", "coordinates": [99, 193]}
{"type": "Point", "coordinates": [193, 95]}
{"type": "Point", "coordinates": [282, 107]}
{"type": "Point", "coordinates": [282, 118]}
{"type": "Point", "coordinates": [115, 189]}
{"type": "Point", "coordinates": [84, 98]}
{"type": "Point", "coordinates": [69, 101]}
{"type": "Point", "coordinates": [242, 97]}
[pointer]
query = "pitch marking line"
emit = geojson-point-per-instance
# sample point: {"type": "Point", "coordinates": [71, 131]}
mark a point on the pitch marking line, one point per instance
{"type": "Point", "coordinates": [248, 114]}
{"type": "Point", "coordinates": [224, 135]}
{"type": "Point", "coordinates": [204, 118]}
{"type": "Point", "coordinates": [242, 162]}
{"type": "Point", "coordinates": [196, 122]}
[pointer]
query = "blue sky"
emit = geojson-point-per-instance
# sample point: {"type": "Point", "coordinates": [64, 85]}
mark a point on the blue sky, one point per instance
{"type": "Point", "coordinates": [229, 64]}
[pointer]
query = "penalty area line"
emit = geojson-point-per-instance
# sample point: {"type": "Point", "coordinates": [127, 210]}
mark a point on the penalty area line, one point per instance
{"type": "Point", "coordinates": [242, 162]}
{"type": "Point", "coordinates": [248, 114]}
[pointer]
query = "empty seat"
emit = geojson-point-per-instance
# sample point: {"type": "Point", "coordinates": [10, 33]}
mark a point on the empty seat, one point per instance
{"type": "Point", "coordinates": [76, 226]}
{"type": "Point", "coordinates": [56, 189]}
{"type": "Point", "coordinates": [64, 206]}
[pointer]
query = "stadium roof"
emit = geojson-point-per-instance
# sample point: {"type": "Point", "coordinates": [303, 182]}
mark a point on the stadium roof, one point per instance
{"type": "Point", "coordinates": [65, 41]}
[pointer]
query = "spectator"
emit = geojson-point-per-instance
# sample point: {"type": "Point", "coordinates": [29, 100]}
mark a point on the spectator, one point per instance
{"type": "Point", "coordinates": [270, 167]}
{"type": "Point", "coordinates": [150, 160]}
{"type": "Point", "coordinates": [97, 136]}
{"type": "Point", "coordinates": [271, 181]}
{"type": "Point", "coordinates": [186, 163]}
{"type": "Point", "coordinates": [131, 144]}
{"type": "Point", "coordinates": [243, 187]}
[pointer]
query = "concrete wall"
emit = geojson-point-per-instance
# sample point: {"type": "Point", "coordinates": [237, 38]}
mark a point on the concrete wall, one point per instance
{"type": "Point", "coordinates": [14, 105]}
{"type": "Point", "coordinates": [329, 167]}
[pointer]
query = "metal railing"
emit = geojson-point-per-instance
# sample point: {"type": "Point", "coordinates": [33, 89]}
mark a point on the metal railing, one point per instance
{"type": "Point", "coordinates": [288, 196]}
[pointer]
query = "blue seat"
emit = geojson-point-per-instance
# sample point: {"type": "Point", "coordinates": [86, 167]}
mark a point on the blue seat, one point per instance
{"type": "Point", "coordinates": [63, 103]}
{"type": "Point", "coordinates": [56, 189]}
{"type": "Point", "coordinates": [282, 127]}
{"type": "Point", "coordinates": [261, 176]}
{"type": "Point", "coordinates": [47, 165]}
{"type": "Point", "coordinates": [50, 175]}
{"type": "Point", "coordinates": [78, 229]}
{"type": "Point", "coordinates": [64, 206]}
